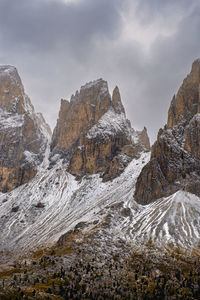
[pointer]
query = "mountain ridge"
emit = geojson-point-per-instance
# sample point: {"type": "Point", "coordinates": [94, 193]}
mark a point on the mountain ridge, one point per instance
{"type": "Point", "coordinates": [80, 188]}
{"type": "Point", "coordinates": [74, 229]}
{"type": "Point", "coordinates": [92, 120]}
{"type": "Point", "coordinates": [175, 159]}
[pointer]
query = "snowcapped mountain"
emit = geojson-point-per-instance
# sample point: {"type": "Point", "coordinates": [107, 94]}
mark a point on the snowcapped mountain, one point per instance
{"type": "Point", "coordinates": [40, 212]}
{"type": "Point", "coordinates": [92, 132]}
{"type": "Point", "coordinates": [85, 181]}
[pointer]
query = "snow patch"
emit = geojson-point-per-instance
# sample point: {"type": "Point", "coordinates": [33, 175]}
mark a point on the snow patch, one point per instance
{"type": "Point", "coordinates": [174, 219]}
{"type": "Point", "coordinates": [109, 124]}
{"type": "Point", "coordinates": [30, 157]}
{"type": "Point", "coordinates": [196, 118]}
{"type": "Point", "coordinates": [10, 120]}
{"type": "Point", "coordinates": [27, 105]}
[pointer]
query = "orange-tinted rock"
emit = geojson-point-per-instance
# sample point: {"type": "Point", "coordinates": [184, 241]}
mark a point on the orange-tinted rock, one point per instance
{"type": "Point", "coordinates": [80, 114]}
{"type": "Point", "coordinates": [175, 156]}
{"type": "Point", "coordinates": [192, 136]}
{"type": "Point", "coordinates": [186, 103]}
{"type": "Point", "coordinates": [116, 101]}
{"type": "Point", "coordinates": [92, 130]}
{"type": "Point", "coordinates": [22, 138]}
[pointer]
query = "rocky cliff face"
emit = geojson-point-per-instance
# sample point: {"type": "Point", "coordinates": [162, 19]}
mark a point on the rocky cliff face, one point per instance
{"type": "Point", "coordinates": [175, 156]}
{"type": "Point", "coordinates": [93, 134]}
{"type": "Point", "coordinates": [23, 133]}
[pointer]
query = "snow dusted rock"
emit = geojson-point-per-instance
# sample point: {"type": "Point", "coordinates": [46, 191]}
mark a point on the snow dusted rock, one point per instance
{"type": "Point", "coordinates": [173, 220]}
{"type": "Point", "coordinates": [93, 134]}
{"type": "Point", "coordinates": [175, 156]}
{"type": "Point", "coordinates": [192, 136]}
{"type": "Point", "coordinates": [38, 213]}
{"type": "Point", "coordinates": [23, 133]}
{"type": "Point", "coordinates": [186, 103]}
{"type": "Point", "coordinates": [54, 206]}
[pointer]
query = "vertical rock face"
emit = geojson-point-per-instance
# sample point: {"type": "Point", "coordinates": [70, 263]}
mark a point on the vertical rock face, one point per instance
{"type": "Point", "coordinates": [23, 133]}
{"type": "Point", "coordinates": [80, 114]}
{"type": "Point", "coordinates": [186, 103]}
{"type": "Point", "coordinates": [93, 134]}
{"type": "Point", "coordinates": [175, 156]}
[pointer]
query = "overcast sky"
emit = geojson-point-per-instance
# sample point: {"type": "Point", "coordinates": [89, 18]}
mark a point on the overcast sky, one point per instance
{"type": "Point", "coordinates": [146, 47]}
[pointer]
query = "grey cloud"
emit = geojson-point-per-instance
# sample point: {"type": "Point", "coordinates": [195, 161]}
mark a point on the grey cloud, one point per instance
{"type": "Point", "coordinates": [58, 47]}
{"type": "Point", "coordinates": [148, 81]}
{"type": "Point", "coordinates": [170, 61]}
{"type": "Point", "coordinates": [41, 25]}
{"type": "Point", "coordinates": [147, 10]}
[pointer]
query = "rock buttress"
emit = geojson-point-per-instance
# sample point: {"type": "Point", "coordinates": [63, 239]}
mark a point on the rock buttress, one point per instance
{"type": "Point", "coordinates": [22, 135]}
{"type": "Point", "coordinates": [175, 156]}
{"type": "Point", "coordinates": [93, 134]}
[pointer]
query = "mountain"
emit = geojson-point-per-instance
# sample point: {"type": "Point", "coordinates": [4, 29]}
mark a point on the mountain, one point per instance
{"type": "Point", "coordinates": [24, 135]}
{"type": "Point", "coordinates": [74, 229]}
{"type": "Point", "coordinates": [87, 180]}
{"type": "Point", "coordinates": [93, 135]}
{"type": "Point", "coordinates": [175, 156]}
{"type": "Point", "coordinates": [92, 144]}
{"type": "Point", "coordinates": [86, 175]}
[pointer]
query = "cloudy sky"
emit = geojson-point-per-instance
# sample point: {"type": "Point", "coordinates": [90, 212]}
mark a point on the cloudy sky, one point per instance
{"type": "Point", "coordinates": [146, 47]}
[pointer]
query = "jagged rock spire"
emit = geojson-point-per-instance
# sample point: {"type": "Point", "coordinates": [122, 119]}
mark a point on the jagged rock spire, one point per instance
{"type": "Point", "coordinates": [116, 101]}
{"type": "Point", "coordinates": [92, 131]}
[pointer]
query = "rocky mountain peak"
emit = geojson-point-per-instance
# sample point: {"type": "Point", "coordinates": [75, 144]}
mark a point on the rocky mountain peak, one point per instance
{"type": "Point", "coordinates": [11, 90]}
{"type": "Point", "coordinates": [144, 139]}
{"type": "Point", "coordinates": [116, 101]}
{"type": "Point", "coordinates": [195, 72]}
{"type": "Point", "coordinates": [175, 156]}
{"type": "Point", "coordinates": [23, 134]}
{"type": "Point", "coordinates": [92, 131]}
{"type": "Point", "coordinates": [8, 71]}
{"type": "Point", "coordinates": [187, 101]}
{"type": "Point", "coordinates": [98, 84]}
{"type": "Point", "coordinates": [78, 115]}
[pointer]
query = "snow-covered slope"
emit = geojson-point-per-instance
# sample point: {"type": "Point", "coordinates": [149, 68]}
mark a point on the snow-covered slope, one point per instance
{"type": "Point", "coordinates": [54, 202]}
{"type": "Point", "coordinates": [40, 212]}
{"type": "Point", "coordinates": [172, 220]}
{"type": "Point", "coordinates": [109, 125]}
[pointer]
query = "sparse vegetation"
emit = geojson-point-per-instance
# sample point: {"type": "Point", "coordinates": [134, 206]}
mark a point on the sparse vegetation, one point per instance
{"type": "Point", "coordinates": [76, 272]}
